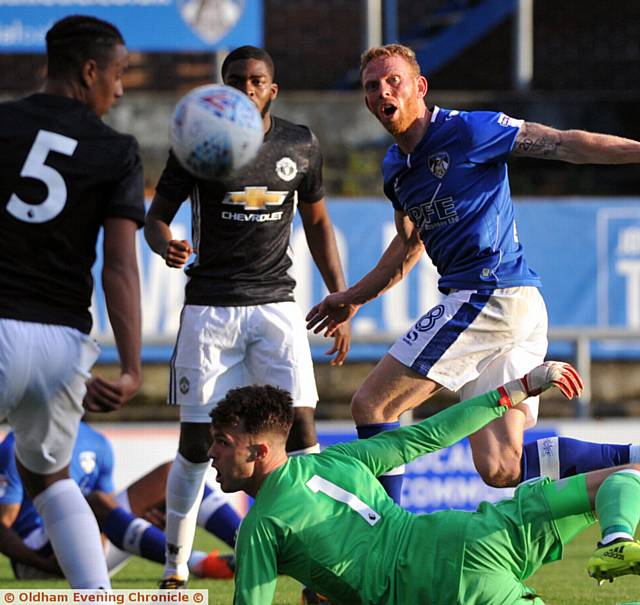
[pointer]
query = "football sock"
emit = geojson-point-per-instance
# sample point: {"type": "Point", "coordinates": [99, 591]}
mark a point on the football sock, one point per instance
{"type": "Point", "coordinates": [618, 504]}
{"type": "Point", "coordinates": [185, 485]}
{"type": "Point", "coordinates": [139, 537]}
{"type": "Point", "coordinates": [558, 457]}
{"type": "Point", "coordinates": [74, 534]}
{"type": "Point", "coordinates": [116, 558]}
{"type": "Point", "coordinates": [312, 449]}
{"type": "Point", "coordinates": [217, 516]}
{"type": "Point", "coordinates": [135, 535]}
{"type": "Point", "coordinates": [391, 481]}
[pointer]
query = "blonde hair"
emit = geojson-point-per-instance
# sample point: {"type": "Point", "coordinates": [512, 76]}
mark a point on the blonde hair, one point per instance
{"type": "Point", "coordinates": [390, 50]}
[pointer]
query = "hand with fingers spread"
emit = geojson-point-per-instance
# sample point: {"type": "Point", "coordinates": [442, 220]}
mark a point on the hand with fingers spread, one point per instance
{"type": "Point", "coordinates": [341, 344]}
{"type": "Point", "coordinates": [331, 313]}
{"type": "Point", "coordinates": [177, 253]}
{"type": "Point", "coordinates": [550, 374]}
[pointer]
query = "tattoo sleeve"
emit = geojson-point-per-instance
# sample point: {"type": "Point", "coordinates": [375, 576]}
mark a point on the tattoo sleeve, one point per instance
{"type": "Point", "coordinates": [538, 141]}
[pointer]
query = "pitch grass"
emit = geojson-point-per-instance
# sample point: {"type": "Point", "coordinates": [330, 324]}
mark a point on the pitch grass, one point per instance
{"type": "Point", "coordinates": [562, 583]}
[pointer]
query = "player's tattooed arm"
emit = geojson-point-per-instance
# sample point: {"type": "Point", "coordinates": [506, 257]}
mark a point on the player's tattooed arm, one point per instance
{"type": "Point", "coordinates": [575, 146]}
{"type": "Point", "coordinates": [538, 141]}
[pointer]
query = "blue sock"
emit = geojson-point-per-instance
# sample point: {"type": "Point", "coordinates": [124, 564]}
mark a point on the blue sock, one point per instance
{"type": "Point", "coordinates": [135, 535]}
{"type": "Point", "coordinates": [218, 517]}
{"type": "Point", "coordinates": [392, 481]}
{"type": "Point", "coordinates": [558, 457]}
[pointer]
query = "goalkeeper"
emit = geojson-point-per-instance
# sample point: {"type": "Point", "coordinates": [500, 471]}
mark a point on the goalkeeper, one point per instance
{"type": "Point", "coordinates": [326, 520]}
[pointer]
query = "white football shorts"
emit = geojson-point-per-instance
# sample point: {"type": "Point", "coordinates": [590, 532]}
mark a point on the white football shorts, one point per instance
{"type": "Point", "coordinates": [43, 369]}
{"type": "Point", "coordinates": [475, 341]}
{"type": "Point", "coordinates": [222, 348]}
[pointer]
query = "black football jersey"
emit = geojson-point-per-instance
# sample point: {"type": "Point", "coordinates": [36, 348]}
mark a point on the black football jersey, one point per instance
{"type": "Point", "coordinates": [62, 173]}
{"type": "Point", "coordinates": [241, 225]}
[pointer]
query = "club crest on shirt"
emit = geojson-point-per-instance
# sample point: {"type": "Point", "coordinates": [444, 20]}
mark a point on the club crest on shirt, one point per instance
{"type": "Point", "coordinates": [286, 169]}
{"type": "Point", "coordinates": [438, 164]}
{"type": "Point", "coordinates": [87, 461]}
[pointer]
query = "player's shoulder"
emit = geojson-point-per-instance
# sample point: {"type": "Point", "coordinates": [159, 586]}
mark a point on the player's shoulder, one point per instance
{"type": "Point", "coordinates": [292, 132]}
{"type": "Point", "coordinates": [65, 116]}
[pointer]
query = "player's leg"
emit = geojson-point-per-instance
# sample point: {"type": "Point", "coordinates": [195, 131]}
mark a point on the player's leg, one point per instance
{"type": "Point", "coordinates": [499, 454]}
{"type": "Point", "coordinates": [145, 498]}
{"type": "Point", "coordinates": [388, 391]}
{"type": "Point", "coordinates": [615, 494]}
{"type": "Point", "coordinates": [443, 348]}
{"type": "Point", "coordinates": [45, 421]}
{"type": "Point", "coordinates": [279, 354]}
{"type": "Point", "coordinates": [135, 535]}
{"type": "Point", "coordinates": [207, 362]}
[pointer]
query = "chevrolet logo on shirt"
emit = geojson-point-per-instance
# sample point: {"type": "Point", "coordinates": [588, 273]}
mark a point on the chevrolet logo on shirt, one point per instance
{"type": "Point", "coordinates": [255, 198]}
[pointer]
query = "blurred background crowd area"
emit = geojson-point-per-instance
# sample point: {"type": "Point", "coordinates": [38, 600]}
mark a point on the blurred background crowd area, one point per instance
{"type": "Point", "coordinates": [585, 57]}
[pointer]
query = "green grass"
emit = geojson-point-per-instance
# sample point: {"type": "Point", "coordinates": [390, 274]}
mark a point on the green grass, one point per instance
{"type": "Point", "coordinates": [562, 583]}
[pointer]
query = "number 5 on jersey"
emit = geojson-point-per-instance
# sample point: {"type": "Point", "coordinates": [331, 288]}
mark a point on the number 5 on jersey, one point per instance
{"type": "Point", "coordinates": [36, 168]}
{"type": "Point", "coordinates": [318, 484]}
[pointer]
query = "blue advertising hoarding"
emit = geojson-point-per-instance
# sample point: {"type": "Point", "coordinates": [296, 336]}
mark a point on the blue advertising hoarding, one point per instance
{"type": "Point", "coordinates": [586, 251]}
{"type": "Point", "coordinates": [147, 25]}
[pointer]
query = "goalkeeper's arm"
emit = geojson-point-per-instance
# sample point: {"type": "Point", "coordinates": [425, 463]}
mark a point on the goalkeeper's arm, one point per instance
{"type": "Point", "coordinates": [394, 448]}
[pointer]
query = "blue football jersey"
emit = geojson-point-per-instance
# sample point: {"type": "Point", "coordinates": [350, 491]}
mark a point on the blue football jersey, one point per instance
{"type": "Point", "coordinates": [91, 468]}
{"type": "Point", "coordinates": [455, 188]}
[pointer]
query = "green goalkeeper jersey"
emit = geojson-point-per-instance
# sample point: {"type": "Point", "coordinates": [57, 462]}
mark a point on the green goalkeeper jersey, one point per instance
{"type": "Point", "coordinates": [325, 520]}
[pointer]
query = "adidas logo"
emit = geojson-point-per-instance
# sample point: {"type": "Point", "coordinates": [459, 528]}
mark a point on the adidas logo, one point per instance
{"type": "Point", "coordinates": [615, 553]}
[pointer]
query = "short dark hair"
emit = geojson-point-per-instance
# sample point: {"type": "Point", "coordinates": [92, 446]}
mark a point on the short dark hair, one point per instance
{"type": "Point", "coordinates": [260, 409]}
{"type": "Point", "coordinates": [242, 53]}
{"type": "Point", "coordinates": [74, 40]}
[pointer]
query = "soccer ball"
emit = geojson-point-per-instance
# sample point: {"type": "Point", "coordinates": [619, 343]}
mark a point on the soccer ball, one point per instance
{"type": "Point", "coordinates": [215, 131]}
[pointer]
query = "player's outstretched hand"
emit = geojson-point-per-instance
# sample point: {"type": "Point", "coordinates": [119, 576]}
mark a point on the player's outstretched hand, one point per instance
{"type": "Point", "coordinates": [341, 344]}
{"type": "Point", "coordinates": [330, 313]}
{"type": "Point", "coordinates": [108, 395]}
{"type": "Point", "coordinates": [177, 253]}
{"type": "Point", "coordinates": [550, 374]}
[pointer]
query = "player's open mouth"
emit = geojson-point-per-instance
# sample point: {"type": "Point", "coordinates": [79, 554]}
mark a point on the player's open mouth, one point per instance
{"type": "Point", "coordinates": [388, 110]}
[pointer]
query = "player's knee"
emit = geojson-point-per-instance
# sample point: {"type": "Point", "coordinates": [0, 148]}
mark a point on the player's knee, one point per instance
{"type": "Point", "coordinates": [364, 408]}
{"type": "Point", "coordinates": [303, 430]}
{"type": "Point", "coordinates": [500, 471]}
{"type": "Point", "coordinates": [195, 441]}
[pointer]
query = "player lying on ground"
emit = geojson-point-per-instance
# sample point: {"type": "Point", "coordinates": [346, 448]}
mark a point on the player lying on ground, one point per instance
{"type": "Point", "coordinates": [326, 520]}
{"type": "Point", "coordinates": [132, 520]}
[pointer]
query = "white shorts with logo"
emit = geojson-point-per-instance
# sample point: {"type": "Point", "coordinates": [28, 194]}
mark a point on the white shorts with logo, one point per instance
{"type": "Point", "coordinates": [43, 369]}
{"type": "Point", "coordinates": [475, 341]}
{"type": "Point", "coordinates": [222, 348]}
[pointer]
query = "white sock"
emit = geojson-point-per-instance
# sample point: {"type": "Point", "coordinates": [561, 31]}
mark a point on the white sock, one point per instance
{"type": "Point", "coordinates": [614, 536]}
{"type": "Point", "coordinates": [313, 449]}
{"type": "Point", "coordinates": [116, 559]}
{"type": "Point", "coordinates": [185, 485]}
{"type": "Point", "coordinates": [634, 454]}
{"type": "Point", "coordinates": [74, 534]}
